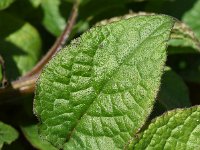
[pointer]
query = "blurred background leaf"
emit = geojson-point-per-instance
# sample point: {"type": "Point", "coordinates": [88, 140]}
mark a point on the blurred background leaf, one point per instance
{"type": "Point", "coordinates": [192, 18]}
{"type": "Point", "coordinates": [35, 3]}
{"type": "Point", "coordinates": [7, 134]}
{"type": "Point", "coordinates": [5, 3]}
{"type": "Point", "coordinates": [53, 21]}
{"type": "Point", "coordinates": [20, 45]}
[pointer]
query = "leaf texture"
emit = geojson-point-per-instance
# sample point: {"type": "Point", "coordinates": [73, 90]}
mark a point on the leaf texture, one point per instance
{"type": "Point", "coordinates": [178, 129]}
{"type": "Point", "coordinates": [98, 91]}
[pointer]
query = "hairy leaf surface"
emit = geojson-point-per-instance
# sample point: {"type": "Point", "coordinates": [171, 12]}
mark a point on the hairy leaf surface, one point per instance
{"type": "Point", "coordinates": [178, 129]}
{"type": "Point", "coordinates": [98, 91]}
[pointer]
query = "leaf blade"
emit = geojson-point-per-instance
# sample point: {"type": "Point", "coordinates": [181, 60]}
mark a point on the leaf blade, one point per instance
{"type": "Point", "coordinates": [92, 71]}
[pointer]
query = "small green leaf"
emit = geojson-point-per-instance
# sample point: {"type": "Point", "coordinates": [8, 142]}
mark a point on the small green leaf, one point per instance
{"type": "Point", "coordinates": [53, 21]}
{"type": "Point", "coordinates": [98, 91]}
{"type": "Point", "coordinates": [20, 45]}
{"type": "Point", "coordinates": [178, 130]}
{"type": "Point", "coordinates": [7, 134]}
{"type": "Point", "coordinates": [5, 4]}
{"type": "Point", "coordinates": [173, 93]}
{"type": "Point", "coordinates": [31, 134]}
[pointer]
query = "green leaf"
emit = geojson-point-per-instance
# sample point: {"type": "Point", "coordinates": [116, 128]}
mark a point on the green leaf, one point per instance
{"type": "Point", "coordinates": [173, 93]}
{"type": "Point", "coordinates": [7, 134]}
{"type": "Point", "coordinates": [35, 3]}
{"type": "Point", "coordinates": [20, 45]}
{"type": "Point", "coordinates": [98, 91]}
{"type": "Point", "coordinates": [192, 16]}
{"type": "Point", "coordinates": [53, 21]}
{"type": "Point", "coordinates": [31, 134]}
{"type": "Point", "coordinates": [5, 4]}
{"type": "Point", "coordinates": [178, 129]}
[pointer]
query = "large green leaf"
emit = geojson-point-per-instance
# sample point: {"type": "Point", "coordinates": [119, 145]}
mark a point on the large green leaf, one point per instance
{"type": "Point", "coordinates": [53, 21]}
{"type": "Point", "coordinates": [7, 134]}
{"type": "Point", "coordinates": [31, 134]}
{"type": "Point", "coordinates": [5, 3]}
{"type": "Point", "coordinates": [178, 130]}
{"type": "Point", "coordinates": [20, 45]}
{"type": "Point", "coordinates": [98, 91]}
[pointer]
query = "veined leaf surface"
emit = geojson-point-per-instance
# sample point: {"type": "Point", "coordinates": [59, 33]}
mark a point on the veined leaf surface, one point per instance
{"type": "Point", "coordinates": [178, 129]}
{"type": "Point", "coordinates": [97, 92]}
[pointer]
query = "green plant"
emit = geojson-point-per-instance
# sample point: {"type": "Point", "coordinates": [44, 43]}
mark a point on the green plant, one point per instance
{"type": "Point", "coordinates": [126, 83]}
